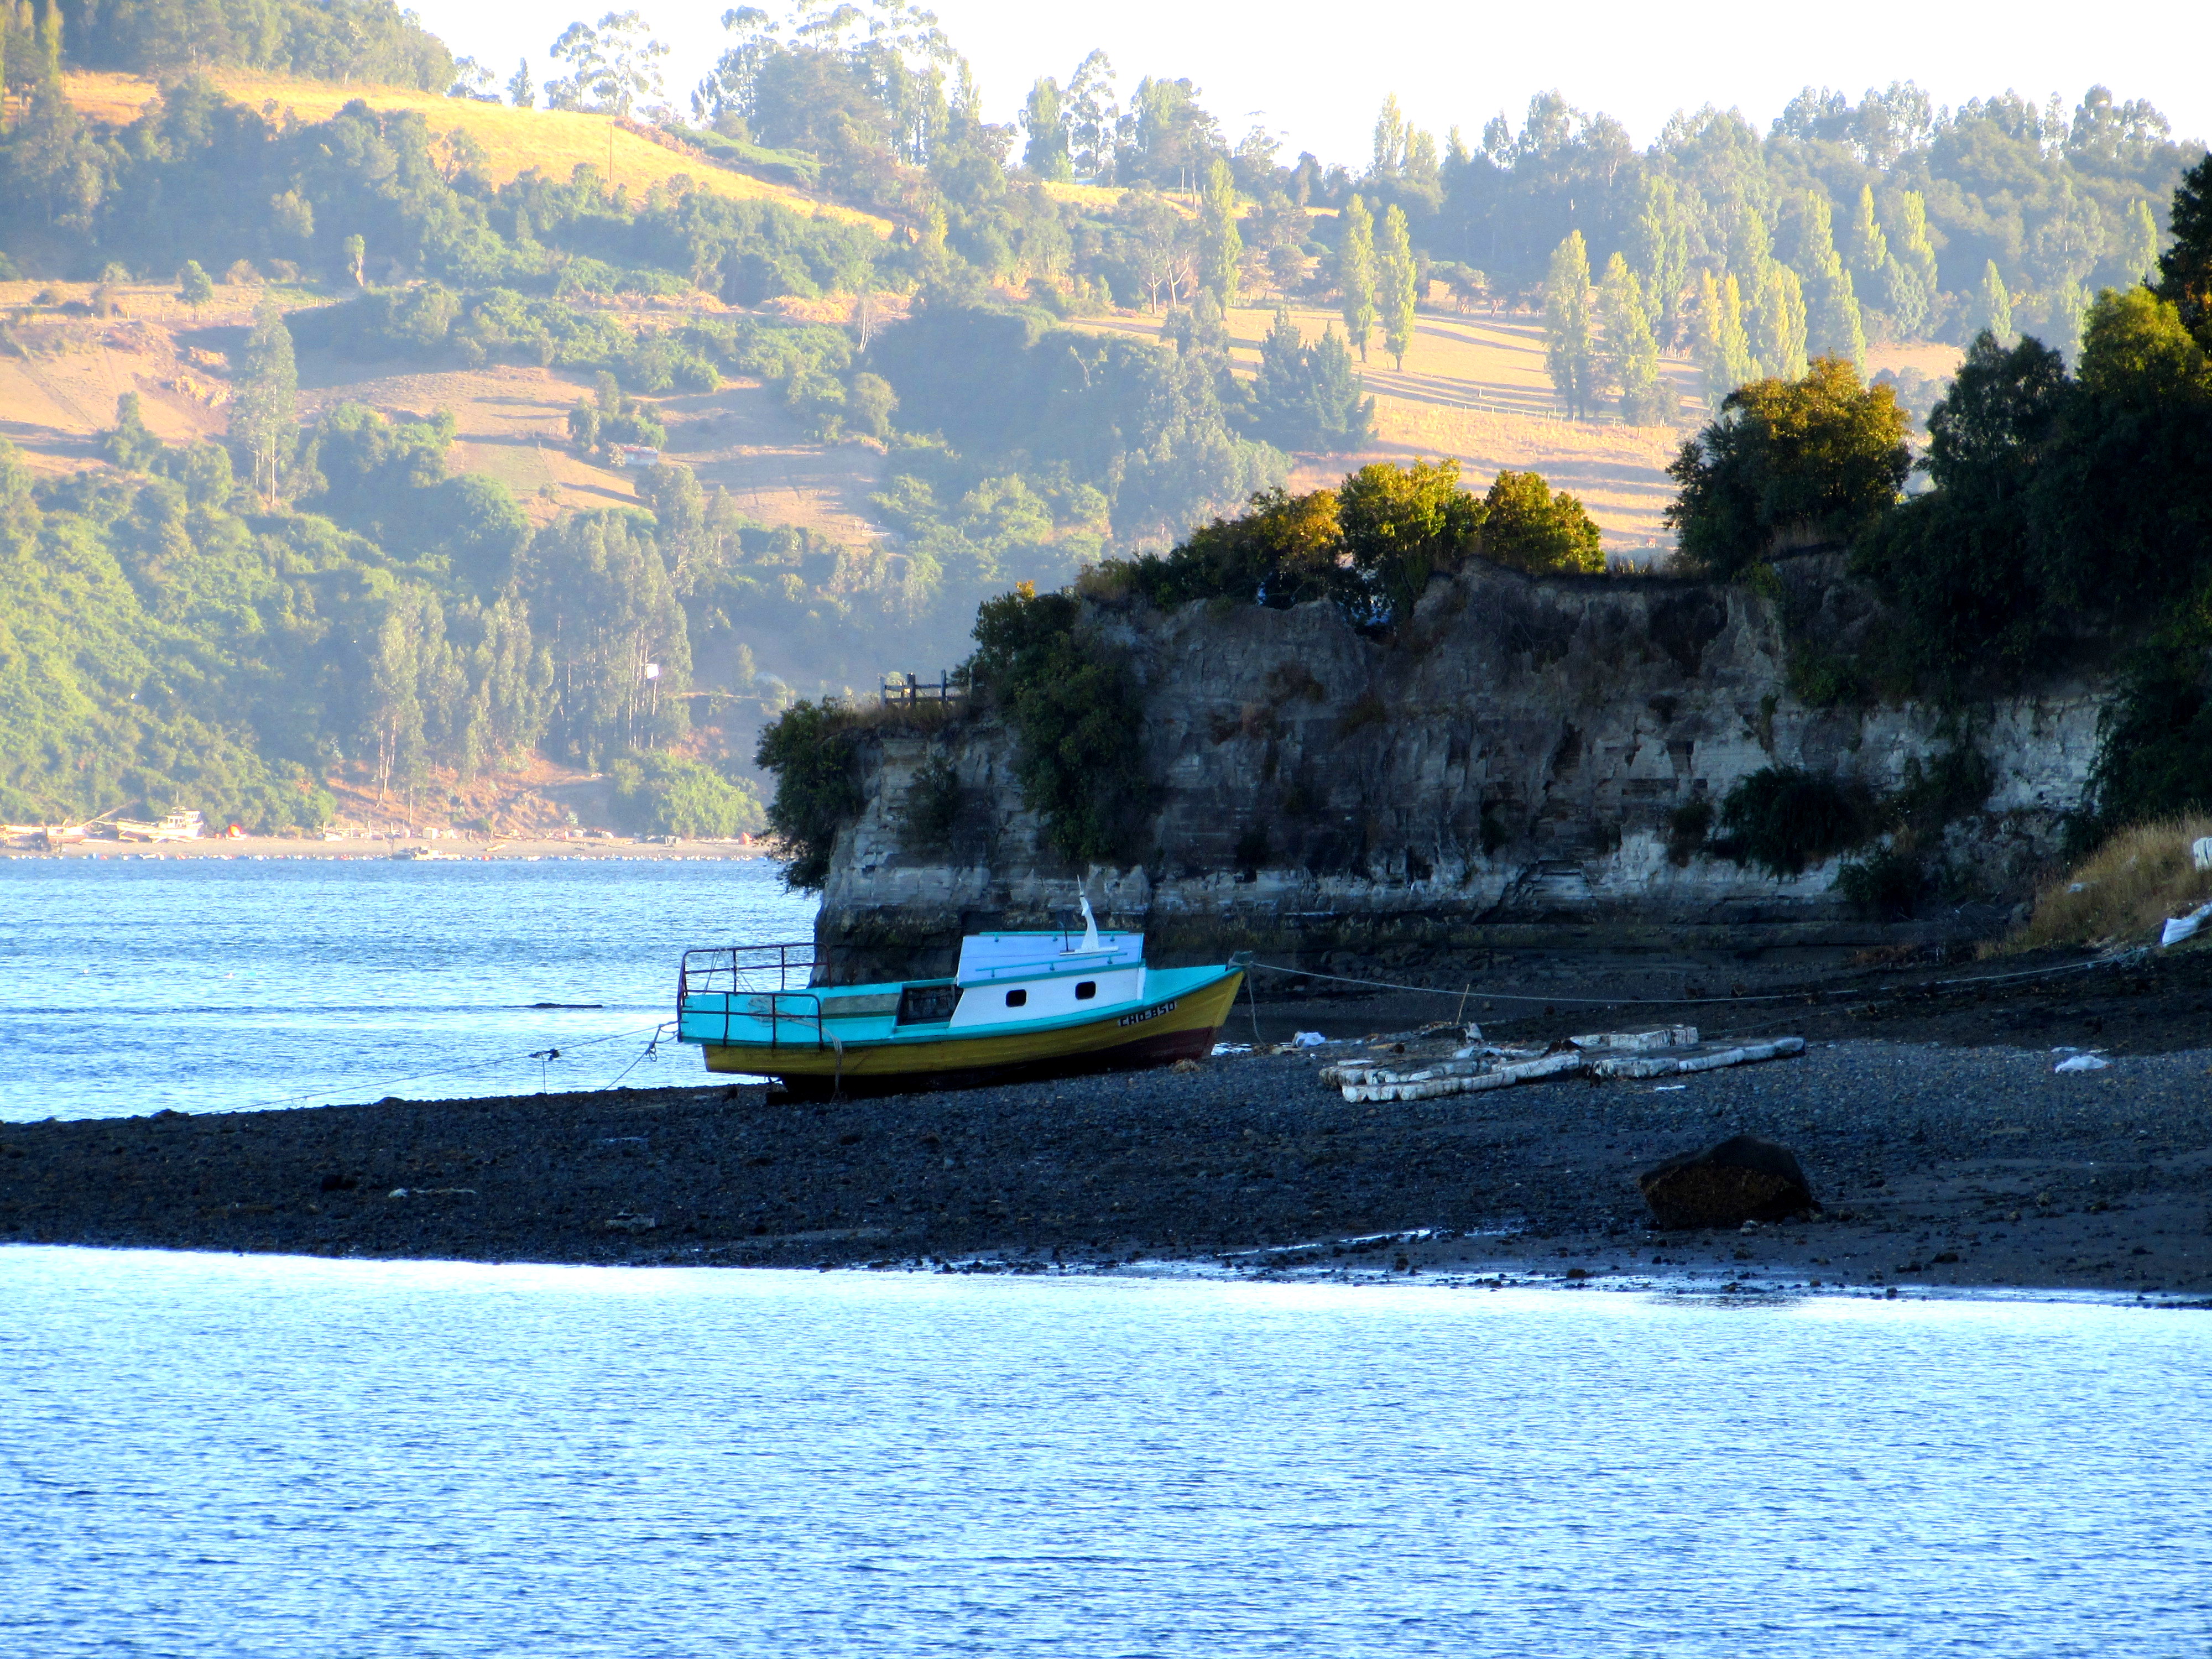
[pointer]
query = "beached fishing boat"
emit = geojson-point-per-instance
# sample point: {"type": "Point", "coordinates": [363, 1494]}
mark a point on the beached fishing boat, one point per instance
{"type": "Point", "coordinates": [183, 825]}
{"type": "Point", "coordinates": [1019, 1003]}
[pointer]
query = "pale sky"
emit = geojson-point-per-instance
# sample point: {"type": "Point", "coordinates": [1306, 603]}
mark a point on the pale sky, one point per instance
{"type": "Point", "coordinates": [1306, 73]}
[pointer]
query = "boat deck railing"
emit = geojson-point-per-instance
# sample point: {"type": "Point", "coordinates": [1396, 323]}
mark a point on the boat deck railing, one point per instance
{"type": "Point", "coordinates": [744, 969]}
{"type": "Point", "coordinates": [753, 983]}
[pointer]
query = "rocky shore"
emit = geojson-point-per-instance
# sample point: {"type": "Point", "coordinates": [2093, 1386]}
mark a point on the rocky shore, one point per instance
{"type": "Point", "coordinates": [1943, 1145]}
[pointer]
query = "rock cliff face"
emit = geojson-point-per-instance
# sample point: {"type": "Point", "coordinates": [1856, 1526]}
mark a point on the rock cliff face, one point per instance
{"type": "Point", "coordinates": [1507, 773]}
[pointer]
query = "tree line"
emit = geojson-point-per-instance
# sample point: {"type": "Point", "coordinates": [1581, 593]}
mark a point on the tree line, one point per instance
{"type": "Point", "coordinates": [1845, 222]}
{"type": "Point", "coordinates": [372, 41]}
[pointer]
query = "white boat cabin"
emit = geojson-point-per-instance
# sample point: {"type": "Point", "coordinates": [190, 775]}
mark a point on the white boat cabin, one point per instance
{"type": "Point", "coordinates": [1008, 977]}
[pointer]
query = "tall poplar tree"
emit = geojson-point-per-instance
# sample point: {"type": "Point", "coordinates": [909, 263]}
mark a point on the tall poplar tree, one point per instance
{"type": "Point", "coordinates": [1750, 251]}
{"type": "Point", "coordinates": [1569, 355]}
{"type": "Point", "coordinates": [1834, 326]}
{"type": "Point", "coordinates": [1835, 320]}
{"type": "Point", "coordinates": [1996, 304]}
{"type": "Point", "coordinates": [1909, 242]}
{"type": "Point", "coordinates": [1815, 229]}
{"type": "Point", "coordinates": [1220, 247]}
{"type": "Point", "coordinates": [1870, 248]}
{"type": "Point", "coordinates": [1397, 286]}
{"type": "Point", "coordinates": [263, 418]}
{"type": "Point", "coordinates": [1660, 243]}
{"type": "Point", "coordinates": [1631, 354]}
{"type": "Point", "coordinates": [1723, 348]}
{"type": "Point", "coordinates": [1778, 332]}
{"type": "Point", "coordinates": [1355, 274]}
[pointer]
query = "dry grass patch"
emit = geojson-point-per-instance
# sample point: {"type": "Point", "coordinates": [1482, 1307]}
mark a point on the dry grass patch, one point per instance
{"type": "Point", "coordinates": [2125, 890]}
{"type": "Point", "coordinates": [1474, 388]}
{"type": "Point", "coordinates": [513, 140]}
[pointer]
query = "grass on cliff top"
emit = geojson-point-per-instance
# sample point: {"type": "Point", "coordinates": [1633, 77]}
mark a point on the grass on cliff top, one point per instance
{"type": "Point", "coordinates": [2124, 891]}
{"type": "Point", "coordinates": [513, 140]}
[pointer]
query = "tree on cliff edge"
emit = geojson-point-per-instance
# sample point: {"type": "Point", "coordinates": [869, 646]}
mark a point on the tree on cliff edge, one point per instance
{"type": "Point", "coordinates": [1818, 458]}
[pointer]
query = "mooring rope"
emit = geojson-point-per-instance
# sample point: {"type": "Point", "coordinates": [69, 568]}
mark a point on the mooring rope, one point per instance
{"type": "Point", "coordinates": [652, 1047]}
{"type": "Point", "coordinates": [1675, 1002]}
{"type": "Point", "coordinates": [458, 1070]}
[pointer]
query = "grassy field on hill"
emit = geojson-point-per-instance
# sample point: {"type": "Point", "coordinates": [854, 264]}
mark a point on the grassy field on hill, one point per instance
{"type": "Point", "coordinates": [1473, 386]}
{"type": "Point", "coordinates": [510, 419]}
{"type": "Point", "coordinates": [555, 142]}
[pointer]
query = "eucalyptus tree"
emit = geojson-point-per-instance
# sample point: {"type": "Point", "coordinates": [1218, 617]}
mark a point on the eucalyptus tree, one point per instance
{"type": "Point", "coordinates": [263, 419]}
{"type": "Point", "coordinates": [613, 64]}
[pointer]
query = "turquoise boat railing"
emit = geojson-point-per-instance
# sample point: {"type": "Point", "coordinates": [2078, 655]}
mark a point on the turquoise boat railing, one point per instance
{"type": "Point", "coordinates": [738, 976]}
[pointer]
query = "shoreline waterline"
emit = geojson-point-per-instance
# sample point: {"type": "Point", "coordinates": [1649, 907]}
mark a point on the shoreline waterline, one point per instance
{"type": "Point", "coordinates": [398, 849]}
{"type": "Point", "coordinates": [1470, 1275]}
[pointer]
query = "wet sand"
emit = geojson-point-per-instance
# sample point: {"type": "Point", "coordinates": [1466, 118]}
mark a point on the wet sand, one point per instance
{"type": "Point", "coordinates": [1947, 1152]}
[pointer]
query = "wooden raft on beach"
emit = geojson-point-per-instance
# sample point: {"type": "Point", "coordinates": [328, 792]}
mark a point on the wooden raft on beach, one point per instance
{"type": "Point", "coordinates": [1667, 1051]}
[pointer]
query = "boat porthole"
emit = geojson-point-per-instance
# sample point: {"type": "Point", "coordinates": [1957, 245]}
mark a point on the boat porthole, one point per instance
{"type": "Point", "coordinates": [1086, 990]}
{"type": "Point", "coordinates": [1016, 999]}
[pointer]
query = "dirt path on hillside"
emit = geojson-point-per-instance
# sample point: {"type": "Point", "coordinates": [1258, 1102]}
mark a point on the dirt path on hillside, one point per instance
{"type": "Point", "coordinates": [743, 439]}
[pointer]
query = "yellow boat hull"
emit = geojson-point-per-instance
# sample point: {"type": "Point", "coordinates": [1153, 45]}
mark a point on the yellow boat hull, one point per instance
{"type": "Point", "coordinates": [1183, 1028]}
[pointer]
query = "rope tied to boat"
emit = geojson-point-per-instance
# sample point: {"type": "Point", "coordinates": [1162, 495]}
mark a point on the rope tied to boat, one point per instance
{"type": "Point", "coordinates": [1809, 993]}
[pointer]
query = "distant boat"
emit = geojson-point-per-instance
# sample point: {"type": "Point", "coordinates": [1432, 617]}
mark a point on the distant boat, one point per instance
{"type": "Point", "coordinates": [183, 825]}
{"type": "Point", "coordinates": [1020, 1003]}
{"type": "Point", "coordinates": [52, 836]}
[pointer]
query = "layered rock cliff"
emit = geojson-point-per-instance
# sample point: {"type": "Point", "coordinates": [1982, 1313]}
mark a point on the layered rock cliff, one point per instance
{"type": "Point", "coordinates": [1508, 772]}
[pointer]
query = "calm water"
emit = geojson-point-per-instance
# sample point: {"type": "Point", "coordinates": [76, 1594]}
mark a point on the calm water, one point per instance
{"type": "Point", "coordinates": [215, 1456]}
{"type": "Point", "coordinates": [130, 985]}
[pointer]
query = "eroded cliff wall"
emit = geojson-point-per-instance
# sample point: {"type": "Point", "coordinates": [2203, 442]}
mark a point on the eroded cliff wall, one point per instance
{"type": "Point", "coordinates": [1504, 774]}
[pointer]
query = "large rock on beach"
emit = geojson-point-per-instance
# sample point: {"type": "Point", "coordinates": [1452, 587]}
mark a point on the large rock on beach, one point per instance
{"type": "Point", "coordinates": [1745, 1178]}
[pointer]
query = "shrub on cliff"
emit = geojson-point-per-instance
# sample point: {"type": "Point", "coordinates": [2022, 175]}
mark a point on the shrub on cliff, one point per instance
{"type": "Point", "coordinates": [1404, 524]}
{"type": "Point", "coordinates": [1783, 819]}
{"type": "Point", "coordinates": [1373, 545]}
{"type": "Point", "coordinates": [1282, 550]}
{"type": "Point", "coordinates": [1077, 716]}
{"type": "Point", "coordinates": [810, 750]}
{"type": "Point", "coordinates": [1821, 457]}
{"type": "Point", "coordinates": [2154, 756]}
{"type": "Point", "coordinates": [1527, 527]}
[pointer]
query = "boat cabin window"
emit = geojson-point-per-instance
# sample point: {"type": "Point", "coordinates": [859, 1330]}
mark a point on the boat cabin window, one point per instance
{"type": "Point", "coordinates": [1016, 999]}
{"type": "Point", "coordinates": [1085, 989]}
{"type": "Point", "coordinates": [927, 1004]}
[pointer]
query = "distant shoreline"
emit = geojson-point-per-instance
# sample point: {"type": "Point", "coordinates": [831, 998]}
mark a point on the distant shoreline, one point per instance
{"type": "Point", "coordinates": [416, 849]}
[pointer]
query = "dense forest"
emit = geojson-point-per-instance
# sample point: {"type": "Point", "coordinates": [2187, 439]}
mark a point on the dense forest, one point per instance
{"type": "Point", "coordinates": [228, 622]}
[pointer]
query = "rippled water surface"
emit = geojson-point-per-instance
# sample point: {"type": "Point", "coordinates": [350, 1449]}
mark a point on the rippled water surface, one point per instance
{"type": "Point", "coordinates": [216, 1455]}
{"type": "Point", "coordinates": [130, 985]}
